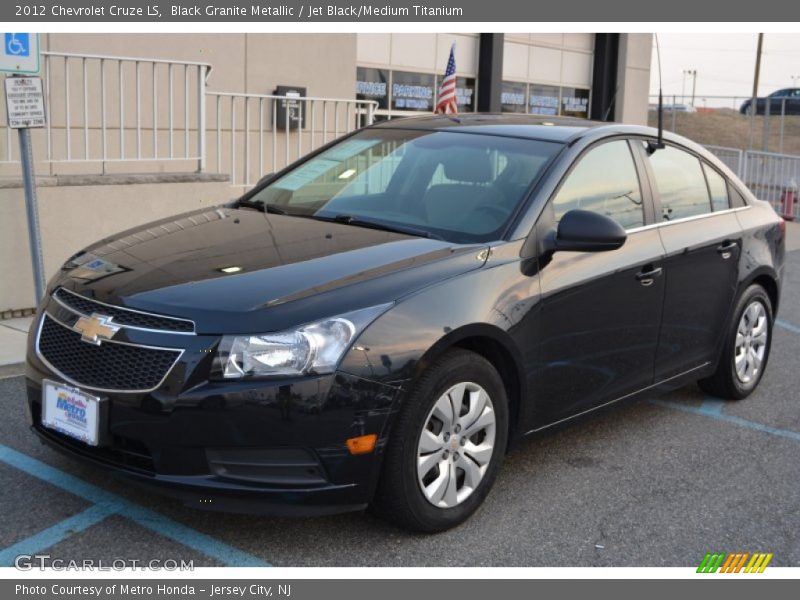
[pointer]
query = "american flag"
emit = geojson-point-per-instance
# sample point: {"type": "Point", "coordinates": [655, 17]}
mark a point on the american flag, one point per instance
{"type": "Point", "coordinates": [447, 104]}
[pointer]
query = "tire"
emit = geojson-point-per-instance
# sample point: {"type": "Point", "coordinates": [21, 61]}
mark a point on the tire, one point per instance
{"type": "Point", "coordinates": [400, 497]}
{"type": "Point", "coordinates": [727, 381]}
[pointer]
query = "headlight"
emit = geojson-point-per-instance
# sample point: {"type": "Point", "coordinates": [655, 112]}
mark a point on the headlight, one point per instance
{"type": "Point", "coordinates": [313, 348]}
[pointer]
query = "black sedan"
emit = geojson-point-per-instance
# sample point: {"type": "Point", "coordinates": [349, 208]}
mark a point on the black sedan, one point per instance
{"type": "Point", "coordinates": [782, 102]}
{"type": "Point", "coordinates": [378, 324]}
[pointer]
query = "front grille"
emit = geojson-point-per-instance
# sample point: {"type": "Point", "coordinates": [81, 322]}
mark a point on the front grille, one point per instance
{"type": "Point", "coordinates": [123, 316]}
{"type": "Point", "coordinates": [109, 366]}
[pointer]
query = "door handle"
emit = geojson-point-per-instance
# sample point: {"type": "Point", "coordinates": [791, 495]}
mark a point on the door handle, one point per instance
{"type": "Point", "coordinates": [726, 249]}
{"type": "Point", "coordinates": [647, 277]}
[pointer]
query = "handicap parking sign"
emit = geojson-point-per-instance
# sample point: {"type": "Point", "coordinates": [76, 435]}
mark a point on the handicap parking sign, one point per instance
{"type": "Point", "coordinates": [20, 53]}
{"type": "Point", "coordinates": [18, 44]}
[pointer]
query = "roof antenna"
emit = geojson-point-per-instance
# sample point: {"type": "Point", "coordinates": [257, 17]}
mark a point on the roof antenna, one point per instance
{"type": "Point", "coordinates": [659, 144]}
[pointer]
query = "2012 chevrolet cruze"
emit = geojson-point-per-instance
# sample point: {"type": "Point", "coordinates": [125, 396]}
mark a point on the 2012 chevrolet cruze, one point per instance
{"type": "Point", "coordinates": [380, 322]}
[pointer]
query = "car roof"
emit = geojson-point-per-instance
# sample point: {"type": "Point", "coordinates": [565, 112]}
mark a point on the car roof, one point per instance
{"type": "Point", "coordinates": [555, 129]}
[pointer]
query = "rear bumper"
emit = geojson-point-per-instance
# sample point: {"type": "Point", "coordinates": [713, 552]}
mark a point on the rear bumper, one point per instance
{"type": "Point", "coordinates": [268, 447]}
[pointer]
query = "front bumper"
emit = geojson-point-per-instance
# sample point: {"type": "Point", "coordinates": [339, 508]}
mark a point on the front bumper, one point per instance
{"type": "Point", "coordinates": [272, 447]}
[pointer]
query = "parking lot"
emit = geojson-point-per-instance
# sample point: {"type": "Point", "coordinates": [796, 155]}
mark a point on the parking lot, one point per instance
{"type": "Point", "coordinates": [656, 483]}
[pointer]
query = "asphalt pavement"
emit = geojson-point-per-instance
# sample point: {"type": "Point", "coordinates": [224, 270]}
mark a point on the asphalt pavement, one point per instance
{"type": "Point", "coordinates": [656, 483]}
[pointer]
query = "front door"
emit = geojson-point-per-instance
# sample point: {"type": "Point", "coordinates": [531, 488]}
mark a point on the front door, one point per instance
{"type": "Point", "coordinates": [600, 312]}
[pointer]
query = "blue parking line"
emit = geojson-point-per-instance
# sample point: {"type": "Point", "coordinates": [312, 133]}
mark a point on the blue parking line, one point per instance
{"type": "Point", "coordinates": [57, 533]}
{"type": "Point", "coordinates": [144, 517]}
{"type": "Point", "coordinates": [787, 325]}
{"type": "Point", "coordinates": [712, 408]}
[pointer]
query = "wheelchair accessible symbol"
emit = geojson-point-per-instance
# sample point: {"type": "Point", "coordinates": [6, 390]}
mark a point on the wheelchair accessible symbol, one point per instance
{"type": "Point", "coordinates": [17, 44]}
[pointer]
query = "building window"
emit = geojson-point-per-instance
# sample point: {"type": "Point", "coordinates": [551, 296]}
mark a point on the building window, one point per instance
{"type": "Point", "coordinates": [513, 97]}
{"type": "Point", "coordinates": [574, 102]}
{"type": "Point", "coordinates": [373, 84]}
{"type": "Point", "coordinates": [465, 93]}
{"type": "Point", "coordinates": [543, 100]}
{"type": "Point", "coordinates": [412, 91]}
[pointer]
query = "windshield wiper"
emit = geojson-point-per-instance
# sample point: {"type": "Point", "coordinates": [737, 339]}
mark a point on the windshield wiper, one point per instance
{"type": "Point", "coordinates": [369, 223]}
{"type": "Point", "coordinates": [269, 208]}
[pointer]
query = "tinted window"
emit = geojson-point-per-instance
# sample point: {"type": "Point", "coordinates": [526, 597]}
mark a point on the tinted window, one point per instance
{"type": "Point", "coordinates": [463, 188]}
{"type": "Point", "coordinates": [718, 188]}
{"type": "Point", "coordinates": [737, 201]}
{"type": "Point", "coordinates": [604, 181]}
{"type": "Point", "coordinates": [681, 184]}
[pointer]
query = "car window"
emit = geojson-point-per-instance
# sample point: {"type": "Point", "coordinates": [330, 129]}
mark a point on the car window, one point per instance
{"type": "Point", "coordinates": [458, 186]}
{"type": "Point", "coordinates": [718, 189]}
{"type": "Point", "coordinates": [680, 183]}
{"type": "Point", "coordinates": [604, 181]}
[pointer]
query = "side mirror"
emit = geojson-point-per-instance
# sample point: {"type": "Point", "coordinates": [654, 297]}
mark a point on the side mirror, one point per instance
{"type": "Point", "coordinates": [587, 231]}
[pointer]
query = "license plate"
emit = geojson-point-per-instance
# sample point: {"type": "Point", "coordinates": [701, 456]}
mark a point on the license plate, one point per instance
{"type": "Point", "coordinates": [71, 412]}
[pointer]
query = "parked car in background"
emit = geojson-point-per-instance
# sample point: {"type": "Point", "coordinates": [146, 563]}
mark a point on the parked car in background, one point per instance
{"type": "Point", "coordinates": [379, 323]}
{"type": "Point", "coordinates": [785, 101]}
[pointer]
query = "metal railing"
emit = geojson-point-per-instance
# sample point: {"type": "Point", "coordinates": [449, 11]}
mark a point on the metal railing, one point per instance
{"type": "Point", "coordinates": [732, 157]}
{"type": "Point", "coordinates": [724, 120]}
{"type": "Point", "coordinates": [90, 117]}
{"type": "Point", "coordinates": [248, 141]}
{"type": "Point", "coordinates": [769, 176]}
{"type": "Point", "coordinates": [122, 109]}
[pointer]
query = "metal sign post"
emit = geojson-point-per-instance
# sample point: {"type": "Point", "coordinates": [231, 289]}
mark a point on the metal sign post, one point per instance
{"type": "Point", "coordinates": [25, 106]}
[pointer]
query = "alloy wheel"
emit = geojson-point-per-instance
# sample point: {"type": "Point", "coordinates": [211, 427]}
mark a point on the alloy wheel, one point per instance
{"type": "Point", "coordinates": [751, 342]}
{"type": "Point", "coordinates": [456, 445]}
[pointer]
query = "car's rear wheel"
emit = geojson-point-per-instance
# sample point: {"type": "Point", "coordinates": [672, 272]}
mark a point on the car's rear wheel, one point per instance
{"type": "Point", "coordinates": [746, 350]}
{"type": "Point", "coordinates": [447, 445]}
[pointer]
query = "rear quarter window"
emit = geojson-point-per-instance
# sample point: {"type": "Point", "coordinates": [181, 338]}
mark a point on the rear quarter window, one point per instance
{"type": "Point", "coordinates": [681, 184]}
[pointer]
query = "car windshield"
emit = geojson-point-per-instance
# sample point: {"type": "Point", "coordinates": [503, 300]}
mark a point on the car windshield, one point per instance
{"type": "Point", "coordinates": [459, 187]}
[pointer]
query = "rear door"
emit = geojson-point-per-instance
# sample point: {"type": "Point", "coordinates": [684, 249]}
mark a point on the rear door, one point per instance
{"type": "Point", "coordinates": [702, 241]}
{"type": "Point", "coordinates": [601, 311]}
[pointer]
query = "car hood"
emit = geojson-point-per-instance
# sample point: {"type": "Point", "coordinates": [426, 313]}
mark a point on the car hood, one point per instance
{"type": "Point", "coordinates": [291, 270]}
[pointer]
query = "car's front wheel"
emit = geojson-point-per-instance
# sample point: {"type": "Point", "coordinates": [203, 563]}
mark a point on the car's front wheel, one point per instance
{"type": "Point", "coordinates": [447, 445]}
{"type": "Point", "coordinates": [746, 350]}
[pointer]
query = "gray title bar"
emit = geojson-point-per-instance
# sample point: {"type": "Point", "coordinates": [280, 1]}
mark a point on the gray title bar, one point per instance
{"type": "Point", "coordinates": [334, 589]}
{"type": "Point", "coordinates": [398, 10]}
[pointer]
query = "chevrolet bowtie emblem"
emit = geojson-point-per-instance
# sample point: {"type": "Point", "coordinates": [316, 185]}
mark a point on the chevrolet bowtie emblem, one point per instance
{"type": "Point", "coordinates": [96, 328]}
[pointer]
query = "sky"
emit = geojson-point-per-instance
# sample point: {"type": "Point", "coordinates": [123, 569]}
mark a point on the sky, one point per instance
{"type": "Point", "coordinates": [725, 64]}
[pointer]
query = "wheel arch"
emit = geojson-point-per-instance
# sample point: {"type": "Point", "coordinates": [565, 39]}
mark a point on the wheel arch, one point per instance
{"type": "Point", "coordinates": [767, 279]}
{"type": "Point", "coordinates": [496, 346]}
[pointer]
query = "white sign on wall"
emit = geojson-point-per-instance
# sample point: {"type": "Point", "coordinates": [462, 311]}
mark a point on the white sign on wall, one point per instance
{"type": "Point", "coordinates": [25, 102]}
{"type": "Point", "coordinates": [20, 53]}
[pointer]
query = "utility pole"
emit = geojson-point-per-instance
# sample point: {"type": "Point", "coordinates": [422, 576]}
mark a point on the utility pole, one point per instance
{"type": "Point", "coordinates": [694, 84]}
{"type": "Point", "coordinates": [683, 87]}
{"type": "Point", "coordinates": [754, 99]}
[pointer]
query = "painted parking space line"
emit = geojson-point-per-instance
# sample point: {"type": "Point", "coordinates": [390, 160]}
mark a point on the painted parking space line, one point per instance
{"type": "Point", "coordinates": [788, 326]}
{"type": "Point", "coordinates": [57, 533]}
{"type": "Point", "coordinates": [144, 517]}
{"type": "Point", "coordinates": [712, 408]}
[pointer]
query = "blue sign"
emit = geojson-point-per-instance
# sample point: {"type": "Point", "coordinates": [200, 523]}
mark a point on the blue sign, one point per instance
{"type": "Point", "coordinates": [20, 53]}
{"type": "Point", "coordinates": [17, 44]}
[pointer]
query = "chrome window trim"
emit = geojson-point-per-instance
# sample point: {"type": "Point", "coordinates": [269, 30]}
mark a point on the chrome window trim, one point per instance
{"type": "Point", "coordinates": [55, 297]}
{"type": "Point", "coordinates": [687, 219]}
{"type": "Point", "coordinates": [45, 314]}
